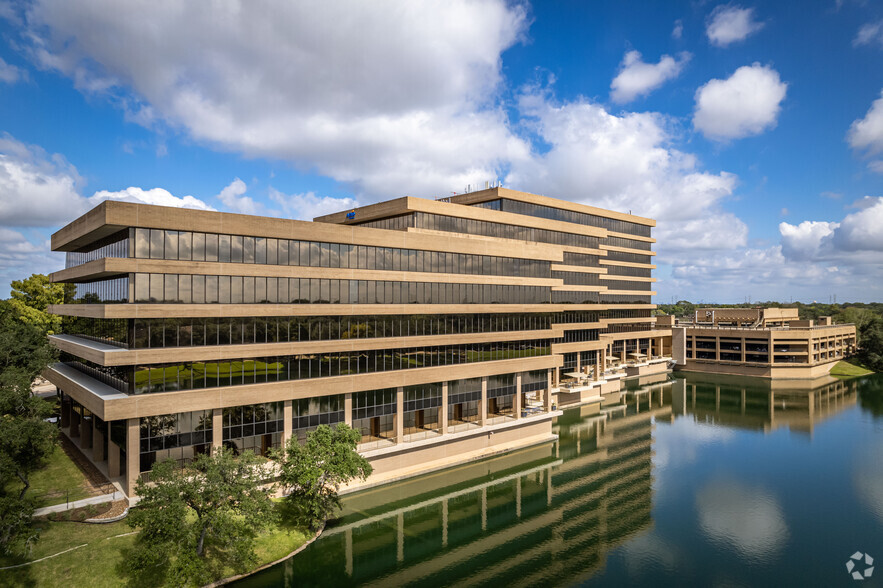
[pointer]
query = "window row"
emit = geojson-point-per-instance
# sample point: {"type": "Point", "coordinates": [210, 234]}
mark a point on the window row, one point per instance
{"type": "Point", "coordinates": [580, 336]}
{"type": "Point", "coordinates": [621, 313]}
{"type": "Point", "coordinates": [624, 299]}
{"type": "Point", "coordinates": [629, 257]}
{"type": "Point", "coordinates": [188, 246]}
{"type": "Point", "coordinates": [114, 290]}
{"type": "Point", "coordinates": [113, 246]}
{"type": "Point", "coordinates": [568, 216]}
{"type": "Point", "coordinates": [628, 285]}
{"type": "Point", "coordinates": [187, 332]}
{"type": "Point", "coordinates": [189, 289]}
{"type": "Point", "coordinates": [452, 224]}
{"type": "Point", "coordinates": [630, 243]}
{"type": "Point", "coordinates": [210, 374]}
{"type": "Point", "coordinates": [627, 270]}
{"type": "Point", "coordinates": [581, 259]}
{"type": "Point", "coordinates": [577, 278]}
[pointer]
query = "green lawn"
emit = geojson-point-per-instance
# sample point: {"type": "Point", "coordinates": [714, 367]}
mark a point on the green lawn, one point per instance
{"type": "Point", "coordinates": [849, 368]}
{"type": "Point", "coordinates": [59, 480]}
{"type": "Point", "coordinates": [97, 565]}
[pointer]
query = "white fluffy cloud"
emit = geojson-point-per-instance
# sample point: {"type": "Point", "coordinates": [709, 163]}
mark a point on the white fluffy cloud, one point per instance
{"type": "Point", "coordinates": [308, 206]}
{"type": "Point", "coordinates": [869, 34]}
{"type": "Point", "coordinates": [866, 134]}
{"type": "Point", "coordinates": [747, 103]}
{"type": "Point", "coordinates": [43, 190]}
{"type": "Point", "coordinates": [820, 240]}
{"type": "Point", "coordinates": [637, 78]}
{"type": "Point", "coordinates": [729, 24]}
{"type": "Point", "coordinates": [389, 98]}
{"type": "Point", "coordinates": [624, 162]}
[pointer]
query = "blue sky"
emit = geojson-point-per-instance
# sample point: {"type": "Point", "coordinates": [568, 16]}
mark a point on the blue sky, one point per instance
{"type": "Point", "coordinates": [752, 132]}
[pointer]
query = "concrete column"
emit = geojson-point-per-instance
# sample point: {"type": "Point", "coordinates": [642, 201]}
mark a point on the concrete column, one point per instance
{"type": "Point", "coordinates": [516, 401]}
{"type": "Point", "coordinates": [218, 428]}
{"type": "Point", "coordinates": [484, 508]}
{"type": "Point", "coordinates": [400, 536]}
{"type": "Point", "coordinates": [579, 365]}
{"type": "Point", "coordinates": [717, 348]}
{"type": "Point", "coordinates": [287, 421]}
{"type": "Point", "coordinates": [86, 427]}
{"type": "Point", "coordinates": [133, 455]}
{"type": "Point", "coordinates": [348, 534]}
{"type": "Point", "coordinates": [443, 411]}
{"type": "Point", "coordinates": [75, 424]}
{"type": "Point", "coordinates": [348, 409]}
{"type": "Point", "coordinates": [603, 360]}
{"type": "Point", "coordinates": [482, 409]}
{"type": "Point", "coordinates": [65, 415]}
{"type": "Point", "coordinates": [547, 395]}
{"type": "Point", "coordinates": [661, 347]}
{"type": "Point", "coordinates": [400, 414]}
{"type": "Point", "coordinates": [444, 522]}
{"type": "Point", "coordinates": [113, 460]}
{"type": "Point", "coordinates": [743, 349]}
{"type": "Point", "coordinates": [97, 442]}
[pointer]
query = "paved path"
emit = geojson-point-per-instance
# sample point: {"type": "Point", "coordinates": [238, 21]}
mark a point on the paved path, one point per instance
{"type": "Point", "coordinates": [117, 495]}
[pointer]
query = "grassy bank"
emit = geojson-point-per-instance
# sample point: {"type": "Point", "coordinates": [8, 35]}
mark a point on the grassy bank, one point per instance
{"type": "Point", "coordinates": [98, 563]}
{"type": "Point", "coordinates": [850, 368]}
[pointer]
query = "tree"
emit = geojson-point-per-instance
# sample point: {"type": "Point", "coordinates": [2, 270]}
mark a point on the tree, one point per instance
{"type": "Point", "coordinates": [311, 473]}
{"type": "Point", "coordinates": [193, 522]}
{"type": "Point", "coordinates": [26, 438]}
{"type": "Point", "coordinates": [32, 296]}
{"type": "Point", "coordinates": [871, 344]}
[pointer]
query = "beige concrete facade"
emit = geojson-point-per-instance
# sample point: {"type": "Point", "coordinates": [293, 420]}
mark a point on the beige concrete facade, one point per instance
{"type": "Point", "coordinates": [424, 394]}
{"type": "Point", "coordinates": [775, 344]}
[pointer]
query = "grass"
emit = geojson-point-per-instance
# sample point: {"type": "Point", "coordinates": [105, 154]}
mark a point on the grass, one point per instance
{"type": "Point", "coordinates": [98, 564]}
{"type": "Point", "coordinates": [58, 481]}
{"type": "Point", "coordinates": [850, 368]}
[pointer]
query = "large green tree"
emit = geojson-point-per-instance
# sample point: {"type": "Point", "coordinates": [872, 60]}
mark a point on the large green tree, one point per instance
{"type": "Point", "coordinates": [26, 438]}
{"type": "Point", "coordinates": [311, 473]}
{"type": "Point", "coordinates": [32, 296]}
{"type": "Point", "coordinates": [871, 343]}
{"type": "Point", "coordinates": [194, 522]}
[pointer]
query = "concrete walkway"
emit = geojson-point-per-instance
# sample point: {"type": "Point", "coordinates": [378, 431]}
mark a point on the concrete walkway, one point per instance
{"type": "Point", "coordinates": [117, 495]}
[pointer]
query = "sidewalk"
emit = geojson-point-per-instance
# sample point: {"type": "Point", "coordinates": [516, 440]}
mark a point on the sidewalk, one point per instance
{"type": "Point", "coordinates": [117, 495]}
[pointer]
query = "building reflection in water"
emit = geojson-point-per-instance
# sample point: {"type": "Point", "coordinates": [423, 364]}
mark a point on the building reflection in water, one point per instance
{"type": "Point", "coordinates": [756, 404]}
{"type": "Point", "coordinates": [545, 515]}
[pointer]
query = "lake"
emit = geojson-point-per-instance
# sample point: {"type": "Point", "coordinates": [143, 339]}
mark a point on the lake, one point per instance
{"type": "Point", "coordinates": [692, 480]}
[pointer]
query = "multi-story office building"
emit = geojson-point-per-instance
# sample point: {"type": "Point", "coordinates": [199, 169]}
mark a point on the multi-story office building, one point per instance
{"type": "Point", "coordinates": [439, 329]}
{"type": "Point", "coordinates": [763, 342]}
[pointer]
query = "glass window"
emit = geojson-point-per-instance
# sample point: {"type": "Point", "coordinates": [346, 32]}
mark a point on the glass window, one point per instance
{"type": "Point", "coordinates": [156, 244]}
{"type": "Point", "coordinates": [198, 252]}
{"type": "Point", "coordinates": [236, 249]}
{"type": "Point", "coordinates": [142, 243]}
{"type": "Point", "coordinates": [260, 250]}
{"type": "Point", "coordinates": [185, 245]}
{"type": "Point", "coordinates": [248, 250]}
{"type": "Point", "coordinates": [171, 243]}
{"type": "Point", "coordinates": [224, 248]}
{"type": "Point", "coordinates": [211, 289]}
{"type": "Point", "coordinates": [211, 247]}
{"type": "Point", "coordinates": [272, 251]}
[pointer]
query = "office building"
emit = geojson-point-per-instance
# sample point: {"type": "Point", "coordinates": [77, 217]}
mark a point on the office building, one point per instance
{"type": "Point", "coordinates": [444, 331]}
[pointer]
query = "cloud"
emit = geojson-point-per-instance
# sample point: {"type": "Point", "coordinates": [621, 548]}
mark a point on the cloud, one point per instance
{"type": "Point", "coordinates": [235, 201]}
{"type": "Point", "coordinates": [747, 518]}
{"type": "Point", "coordinates": [866, 134]}
{"type": "Point", "coordinates": [43, 190]}
{"type": "Point", "coordinates": [869, 33]}
{"type": "Point", "coordinates": [9, 73]}
{"type": "Point", "coordinates": [747, 103]}
{"type": "Point", "coordinates": [637, 78]}
{"type": "Point", "coordinates": [729, 24]}
{"type": "Point", "coordinates": [624, 162]}
{"type": "Point", "coordinates": [803, 242]}
{"type": "Point", "coordinates": [38, 189]}
{"type": "Point", "coordinates": [388, 99]}
{"type": "Point", "coordinates": [678, 31]}
{"type": "Point", "coordinates": [157, 196]}
{"type": "Point", "coordinates": [308, 206]}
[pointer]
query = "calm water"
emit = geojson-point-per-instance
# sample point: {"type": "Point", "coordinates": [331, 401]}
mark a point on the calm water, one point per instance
{"type": "Point", "coordinates": [696, 480]}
